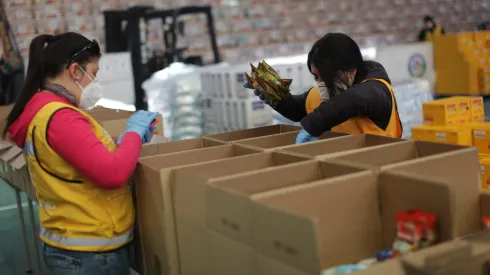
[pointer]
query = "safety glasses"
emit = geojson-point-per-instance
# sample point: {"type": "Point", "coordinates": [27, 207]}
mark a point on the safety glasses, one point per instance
{"type": "Point", "coordinates": [92, 47]}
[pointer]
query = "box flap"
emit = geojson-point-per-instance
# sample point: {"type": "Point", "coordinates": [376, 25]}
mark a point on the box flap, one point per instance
{"type": "Point", "coordinates": [255, 132]}
{"type": "Point", "coordinates": [378, 156]}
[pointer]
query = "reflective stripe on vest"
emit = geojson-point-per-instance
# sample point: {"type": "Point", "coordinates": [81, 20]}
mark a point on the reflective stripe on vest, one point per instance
{"type": "Point", "coordinates": [29, 149]}
{"type": "Point", "coordinates": [67, 241]}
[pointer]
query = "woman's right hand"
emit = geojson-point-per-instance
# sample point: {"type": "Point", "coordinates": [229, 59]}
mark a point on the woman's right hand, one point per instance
{"type": "Point", "coordinates": [140, 123]}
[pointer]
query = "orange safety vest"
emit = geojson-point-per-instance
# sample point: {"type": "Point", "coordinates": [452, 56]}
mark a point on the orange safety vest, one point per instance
{"type": "Point", "coordinates": [361, 125]}
{"type": "Point", "coordinates": [74, 213]}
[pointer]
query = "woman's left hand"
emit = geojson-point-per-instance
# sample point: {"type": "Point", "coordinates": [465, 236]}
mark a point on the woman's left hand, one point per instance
{"type": "Point", "coordinates": [304, 136]}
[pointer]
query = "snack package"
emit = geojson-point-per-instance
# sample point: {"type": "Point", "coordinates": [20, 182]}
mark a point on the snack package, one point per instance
{"type": "Point", "coordinates": [486, 222]}
{"type": "Point", "coordinates": [415, 230]}
{"type": "Point", "coordinates": [268, 82]}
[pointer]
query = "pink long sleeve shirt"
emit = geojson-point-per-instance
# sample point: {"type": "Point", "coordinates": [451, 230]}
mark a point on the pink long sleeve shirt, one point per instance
{"type": "Point", "coordinates": [70, 135]}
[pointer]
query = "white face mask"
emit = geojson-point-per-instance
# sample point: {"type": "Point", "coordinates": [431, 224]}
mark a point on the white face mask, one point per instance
{"type": "Point", "coordinates": [91, 94]}
{"type": "Point", "coordinates": [323, 90]}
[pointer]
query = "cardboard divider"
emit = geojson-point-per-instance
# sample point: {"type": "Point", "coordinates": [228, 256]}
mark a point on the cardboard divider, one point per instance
{"type": "Point", "coordinates": [459, 170]}
{"type": "Point", "coordinates": [161, 145]}
{"type": "Point", "coordinates": [253, 133]}
{"type": "Point", "coordinates": [281, 140]}
{"type": "Point", "coordinates": [156, 221]}
{"type": "Point", "coordinates": [190, 206]}
{"type": "Point", "coordinates": [335, 145]}
{"type": "Point", "coordinates": [377, 157]}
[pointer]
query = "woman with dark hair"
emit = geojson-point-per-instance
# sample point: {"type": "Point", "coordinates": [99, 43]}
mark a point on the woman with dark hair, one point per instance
{"type": "Point", "coordinates": [80, 174]}
{"type": "Point", "coordinates": [352, 96]}
{"type": "Point", "coordinates": [431, 29]}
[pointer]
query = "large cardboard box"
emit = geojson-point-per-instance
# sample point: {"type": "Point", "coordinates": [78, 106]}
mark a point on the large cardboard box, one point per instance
{"type": "Point", "coordinates": [335, 145]}
{"type": "Point", "coordinates": [190, 206]}
{"type": "Point", "coordinates": [326, 213]}
{"type": "Point", "coordinates": [459, 171]}
{"type": "Point", "coordinates": [378, 157]}
{"type": "Point", "coordinates": [281, 140]}
{"type": "Point", "coordinates": [448, 111]}
{"type": "Point", "coordinates": [239, 192]}
{"type": "Point", "coordinates": [443, 134]}
{"type": "Point", "coordinates": [156, 221]}
{"type": "Point", "coordinates": [252, 133]}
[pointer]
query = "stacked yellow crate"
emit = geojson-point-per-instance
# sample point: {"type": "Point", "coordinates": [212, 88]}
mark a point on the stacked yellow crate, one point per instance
{"type": "Point", "coordinates": [462, 63]}
{"type": "Point", "coordinates": [458, 120]}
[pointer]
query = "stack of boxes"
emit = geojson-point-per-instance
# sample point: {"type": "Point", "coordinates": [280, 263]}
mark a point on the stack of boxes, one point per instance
{"type": "Point", "coordinates": [458, 120]}
{"type": "Point", "coordinates": [463, 63]}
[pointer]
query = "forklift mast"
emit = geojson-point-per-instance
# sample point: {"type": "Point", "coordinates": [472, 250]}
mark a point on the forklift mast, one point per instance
{"type": "Point", "coordinates": [119, 39]}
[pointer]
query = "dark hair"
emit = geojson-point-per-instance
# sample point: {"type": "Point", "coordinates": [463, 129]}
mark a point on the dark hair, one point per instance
{"type": "Point", "coordinates": [335, 52]}
{"type": "Point", "coordinates": [428, 19]}
{"type": "Point", "coordinates": [49, 55]}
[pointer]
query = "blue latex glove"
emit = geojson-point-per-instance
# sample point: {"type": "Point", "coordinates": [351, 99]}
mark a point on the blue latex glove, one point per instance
{"type": "Point", "coordinates": [261, 96]}
{"type": "Point", "coordinates": [147, 136]}
{"type": "Point", "coordinates": [139, 123]}
{"type": "Point", "coordinates": [304, 136]}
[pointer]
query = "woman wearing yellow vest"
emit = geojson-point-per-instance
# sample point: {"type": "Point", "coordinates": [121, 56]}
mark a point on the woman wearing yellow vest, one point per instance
{"type": "Point", "coordinates": [80, 174]}
{"type": "Point", "coordinates": [352, 96]}
{"type": "Point", "coordinates": [431, 29]}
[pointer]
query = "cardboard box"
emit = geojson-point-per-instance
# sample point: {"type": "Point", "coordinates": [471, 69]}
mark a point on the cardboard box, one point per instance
{"type": "Point", "coordinates": [156, 221]}
{"type": "Point", "coordinates": [459, 171]}
{"type": "Point", "coordinates": [190, 205]}
{"type": "Point", "coordinates": [379, 157]}
{"type": "Point", "coordinates": [443, 134]}
{"type": "Point", "coordinates": [252, 133]}
{"type": "Point", "coordinates": [480, 135]}
{"type": "Point", "coordinates": [448, 111]}
{"type": "Point", "coordinates": [229, 200]}
{"type": "Point", "coordinates": [281, 140]}
{"type": "Point", "coordinates": [477, 109]}
{"type": "Point", "coordinates": [335, 145]}
{"type": "Point", "coordinates": [338, 221]}
{"type": "Point", "coordinates": [458, 257]}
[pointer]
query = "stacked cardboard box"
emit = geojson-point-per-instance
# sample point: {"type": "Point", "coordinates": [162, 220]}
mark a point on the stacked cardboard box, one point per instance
{"type": "Point", "coordinates": [256, 203]}
{"type": "Point", "coordinates": [458, 120]}
{"type": "Point", "coordinates": [462, 63]}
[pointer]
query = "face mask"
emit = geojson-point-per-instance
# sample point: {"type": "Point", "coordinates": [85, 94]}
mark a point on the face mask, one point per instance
{"type": "Point", "coordinates": [91, 94]}
{"type": "Point", "coordinates": [323, 90]}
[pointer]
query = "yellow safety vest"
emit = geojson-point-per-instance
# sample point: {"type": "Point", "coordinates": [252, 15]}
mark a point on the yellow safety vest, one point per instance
{"type": "Point", "coordinates": [74, 213]}
{"type": "Point", "coordinates": [429, 36]}
{"type": "Point", "coordinates": [361, 125]}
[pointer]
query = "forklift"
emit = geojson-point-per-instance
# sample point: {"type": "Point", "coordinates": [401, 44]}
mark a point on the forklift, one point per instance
{"type": "Point", "coordinates": [123, 33]}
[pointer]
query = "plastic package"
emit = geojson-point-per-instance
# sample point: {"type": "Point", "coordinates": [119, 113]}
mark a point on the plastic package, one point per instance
{"type": "Point", "coordinates": [415, 230]}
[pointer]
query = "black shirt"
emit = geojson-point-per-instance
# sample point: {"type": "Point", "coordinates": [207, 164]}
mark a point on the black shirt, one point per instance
{"type": "Point", "coordinates": [371, 99]}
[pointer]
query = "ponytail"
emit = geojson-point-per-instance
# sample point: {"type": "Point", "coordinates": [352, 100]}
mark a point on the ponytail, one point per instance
{"type": "Point", "coordinates": [35, 78]}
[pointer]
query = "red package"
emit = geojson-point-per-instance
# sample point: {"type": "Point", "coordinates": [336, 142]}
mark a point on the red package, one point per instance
{"type": "Point", "coordinates": [415, 230]}
{"type": "Point", "coordinates": [486, 222]}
